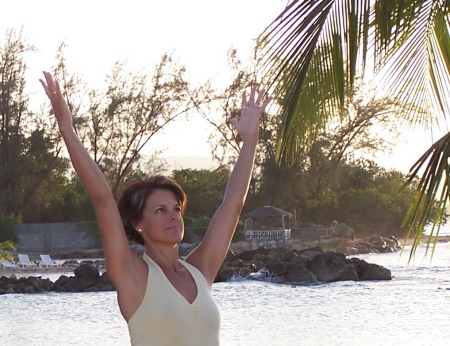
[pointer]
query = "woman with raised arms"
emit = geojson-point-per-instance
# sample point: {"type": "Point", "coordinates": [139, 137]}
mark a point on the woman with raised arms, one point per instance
{"type": "Point", "coordinates": [165, 300]}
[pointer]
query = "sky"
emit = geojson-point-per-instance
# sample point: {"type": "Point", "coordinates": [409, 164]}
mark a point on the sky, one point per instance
{"type": "Point", "coordinates": [196, 32]}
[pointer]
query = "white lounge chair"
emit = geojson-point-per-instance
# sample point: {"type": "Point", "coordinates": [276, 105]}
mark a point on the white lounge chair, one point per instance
{"type": "Point", "coordinates": [7, 265]}
{"type": "Point", "coordinates": [47, 262]}
{"type": "Point", "coordinates": [25, 263]}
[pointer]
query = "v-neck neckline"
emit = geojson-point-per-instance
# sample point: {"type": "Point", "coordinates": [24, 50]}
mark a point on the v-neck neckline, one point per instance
{"type": "Point", "coordinates": [170, 283]}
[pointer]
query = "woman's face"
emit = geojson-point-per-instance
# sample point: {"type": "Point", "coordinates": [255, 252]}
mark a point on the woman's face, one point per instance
{"type": "Point", "coordinates": [162, 221]}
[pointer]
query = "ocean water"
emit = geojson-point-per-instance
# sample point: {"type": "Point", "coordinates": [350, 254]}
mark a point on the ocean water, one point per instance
{"type": "Point", "coordinates": [411, 309]}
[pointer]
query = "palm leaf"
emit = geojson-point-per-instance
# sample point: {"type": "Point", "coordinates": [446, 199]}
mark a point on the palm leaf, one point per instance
{"type": "Point", "coordinates": [415, 64]}
{"type": "Point", "coordinates": [432, 192]}
{"type": "Point", "coordinates": [315, 49]}
{"type": "Point", "coordinates": [6, 245]}
{"type": "Point", "coordinates": [313, 54]}
{"type": "Point", "coordinates": [408, 40]}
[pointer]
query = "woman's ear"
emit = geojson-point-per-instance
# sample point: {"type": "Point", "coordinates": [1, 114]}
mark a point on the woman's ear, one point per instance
{"type": "Point", "coordinates": [138, 228]}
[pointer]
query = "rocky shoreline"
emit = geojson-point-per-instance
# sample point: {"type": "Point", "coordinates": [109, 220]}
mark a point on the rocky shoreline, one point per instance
{"type": "Point", "coordinates": [324, 260]}
{"type": "Point", "coordinates": [293, 262]}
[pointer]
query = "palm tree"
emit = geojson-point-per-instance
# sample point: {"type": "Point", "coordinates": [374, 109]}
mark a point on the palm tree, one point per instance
{"type": "Point", "coordinates": [6, 245]}
{"type": "Point", "coordinates": [316, 50]}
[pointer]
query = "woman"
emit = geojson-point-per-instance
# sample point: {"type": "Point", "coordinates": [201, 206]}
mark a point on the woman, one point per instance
{"type": "Point", "coordinates": [165, 301]}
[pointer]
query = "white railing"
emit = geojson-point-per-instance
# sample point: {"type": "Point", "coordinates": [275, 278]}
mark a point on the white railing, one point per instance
{"type": "Point", "coordinates": [268, 234]}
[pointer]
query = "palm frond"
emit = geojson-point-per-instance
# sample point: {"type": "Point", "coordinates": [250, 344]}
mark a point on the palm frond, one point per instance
{"type": "Point", "coordinates": [414, 62]}
{"type": "Point", "coordinates": [432, 192]}
{"type": "Point", "coordinates": [6, 245]}
{"type": "Point", "coordinates": [313, 53]}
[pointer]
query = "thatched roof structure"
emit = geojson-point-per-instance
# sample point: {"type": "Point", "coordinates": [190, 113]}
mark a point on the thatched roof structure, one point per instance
{"type": "Point", "coordinates": [265, 212]}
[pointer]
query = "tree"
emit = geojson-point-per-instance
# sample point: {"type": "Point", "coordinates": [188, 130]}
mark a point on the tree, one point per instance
{"type": "Point", "coordinates": [116, 124]}
{"type": "Point", "coordinates": [204, 189]}
{"type": "Point", "coordinates": [226, 103]}
{"type": "Point", "coordinates": [316, 49]}
{"type": "Point", "coordinates": [26, 158]}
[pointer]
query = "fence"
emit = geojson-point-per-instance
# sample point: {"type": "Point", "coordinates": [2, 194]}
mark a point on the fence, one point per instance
{"type": "Point", "coordinates": [56, 237]}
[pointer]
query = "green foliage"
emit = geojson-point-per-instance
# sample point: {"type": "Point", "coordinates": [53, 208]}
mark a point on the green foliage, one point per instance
{"type": "Point", "coordinates": [7, 223]}
{"type": "Point", "coordinates": [314, 56]}
{"type": "Point", "coordinates": [360, 194]}
{"type": "Point", "coordinates": [204, 189]}
{"type": "Point", "coordinates": [124, 117]}
{"type": "Point", "coordinates": [6, 245]}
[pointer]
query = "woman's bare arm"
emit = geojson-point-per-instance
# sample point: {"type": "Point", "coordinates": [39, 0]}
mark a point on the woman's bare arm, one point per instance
{"type": "Point", "coordinates": [209, 255]}
{"type": "Point", "coordinates": [117, 251]}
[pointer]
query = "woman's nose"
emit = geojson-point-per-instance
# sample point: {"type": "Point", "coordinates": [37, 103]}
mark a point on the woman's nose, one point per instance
{"type": "Point", "coordinates": [174, 215]}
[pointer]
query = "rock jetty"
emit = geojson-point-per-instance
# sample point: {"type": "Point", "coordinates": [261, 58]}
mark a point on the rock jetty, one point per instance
{"type": "Point", "coordinates": [324, 260]}
{"type": "Point", "coordinates": [86, 278]}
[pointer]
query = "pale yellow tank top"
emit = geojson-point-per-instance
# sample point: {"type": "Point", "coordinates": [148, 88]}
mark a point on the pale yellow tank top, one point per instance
{"type": "Point", "coordinates": [165, 317]}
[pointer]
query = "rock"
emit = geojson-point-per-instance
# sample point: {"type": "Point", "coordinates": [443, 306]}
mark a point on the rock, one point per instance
{"type": "Point", "coordinates": [86, 270]}
{"type": "Point", "coordinates": [47, 285]}
{"type": "Point", "coordinates": [276, 268]}
{"type": "Point", "coordinates": [310, 253]}
{"type": "Point", "coordinates": [71, 263]}
{"type": "Point", "coordinates": [275, 255]}
{"type": "Point", "coordinates": [10, 291]}
{"type": "Point", "coordinates": [35, 283]}
{"type": "Point", "coordinates": [84, 282]}
{"type": "Point", "coordinates": [359, 265]}
{"type": "Point", "coordinates": [376, 272]}
{"type": "Point", "coordinates": [340, 230]}
{"type": "Point", "coordinates": [246, 255]}
{"type": "Point", "coordinates": [231, 255]}
{"type": "Point", "coordinates": [299, 274]}
{"type": "Point", "coordinates": [260, 257]}
{"type": "Point", "coordinates": [92, 289]}
{"type": "Point", "coordinates": [104, 279]}
{"type": "Point", "coordinates": [370, 247]}
{"type": "Point", "coordinates": [288, 257]}
{"type": "Point", "coordinates": [86, 275]}
{"type": "Point", "coordinates": [61, 284]}
{"type": "Point", "coordinates": [225, 274]}
{"type": "Point", "coordinates": [238, 263]}
{"type": "Point", "coordinates": [302, 260]}
{"type": "Point", "coordinates": [327, 266]}
{"type": "Point", "coordinates": [362, 249]}
{"type": "Point", "coordinates": [255, 266]}
{"type": "Point", "coordinates": [243, 272]}
{"type": "Point", "coordinates": [29, 289]}
{"type": "Point", "coordinates": [107, 287]}
{"type": "Point", "coordinates": [330, 243]}
{"type": "Point", "coordinates": [350, 274]}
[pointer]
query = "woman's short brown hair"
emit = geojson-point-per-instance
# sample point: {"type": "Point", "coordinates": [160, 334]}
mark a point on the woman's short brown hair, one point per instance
{"type": "Point", "coordinates": [132, 203]}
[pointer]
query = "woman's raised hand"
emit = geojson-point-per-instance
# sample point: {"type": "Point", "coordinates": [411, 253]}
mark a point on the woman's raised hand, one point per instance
{"type": "Point", "coordinates": [59, 105]}
{"type": "Point", "coordinates": [248, 124]}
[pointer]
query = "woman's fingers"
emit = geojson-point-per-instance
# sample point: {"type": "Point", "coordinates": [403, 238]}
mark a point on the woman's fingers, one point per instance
{"type": "Point", "coordinates": [260, 97]}
{"type": "Point", "coordinates": [45, 87]}
{"type": "Point", "coordinates": [266, 102]}
{"type": "Point", "coordinates": [244, 100]}
{"type": "Point", "coordinates": [251, 101]}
